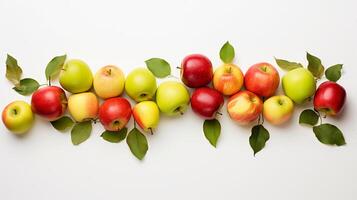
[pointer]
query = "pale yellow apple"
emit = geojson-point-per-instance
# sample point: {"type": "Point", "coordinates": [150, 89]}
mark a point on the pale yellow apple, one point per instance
{"type": "Point", "coordinates": [147, 115]}
{"type": "Point", "coordinates": [278, 109]}
{"type": "Point", "coordinates": [109, 82]}
{"type": "Point", "coordinates": [83, 106]}
{"type": "Point", "coordinates": [228, 79]}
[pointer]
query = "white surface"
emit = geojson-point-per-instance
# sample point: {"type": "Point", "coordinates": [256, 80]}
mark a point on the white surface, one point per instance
{"type": "Point", "coordinates": [180, 163]}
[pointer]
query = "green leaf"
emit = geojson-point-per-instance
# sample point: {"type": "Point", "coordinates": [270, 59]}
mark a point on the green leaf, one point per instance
{"type": "Point", "coordinates": [287, 65]}
{"type": "Point", "coordinates": [62, 123]}
{"type": "Point", "coordinates": [227, 53]}
{"type": "Point", "coordinates": [258, 138]}
{"type": "Point", "coordinates": [159, 67]}
{"type": "Point", "coordinates": [26, 86]}
{"type": "Point", "coordinates": [13, 70]}
{"type": "Point", "coordinates": [315, 66]}
{"type": "Point", "coordinates": [333, 73]}
{"type": "Point", "coordinates": [329, 134]}
{"type": "Point", "coordinates": [54, 66]}
{"type": "Point", "coordinates": [81, 132]}
{"type": "Point", "coordinates": [137, 143]}
{"type": "Point", "coordinates": [212, 131]}
{"type": "Point", "coordinates": [115, 136]}
{"type": "Point", "coordinates": [309, 117]}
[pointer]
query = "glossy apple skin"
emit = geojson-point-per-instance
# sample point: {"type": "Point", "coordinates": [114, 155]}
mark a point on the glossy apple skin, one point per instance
{"type": "Point", "coordinates": [262, 79]}
{"type": "Point", "coordinates": [330, 98]}
{"type": "Point", "coordinates": [147, 115]}
{"type": "Point", "coordinates": [49, 102]}
{"type": "Point", "coordinates": [83, 106]}
{"type": "Point", "coordinates": [228, 79]}
{"type": "Point", "coordinates": [278, 109]}
{"type": "Point", "coordinates": [109, 82]}
{"type": "Point", "coordinates": [244, 107]}
{"type": "Point", "coordinates": [114, 113]}
{"type": "Point", "coordinates": [206, 102]}
{"type": "Point", "coordinates": [196, 71]}
{"type": "Point", "coordinates": [18, 117]}
{"type": "Point", "coordinates": [140, 85]}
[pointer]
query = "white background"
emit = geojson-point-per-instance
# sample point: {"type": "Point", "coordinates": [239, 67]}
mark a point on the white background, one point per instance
{"type": "Point", "coordinates": [180, 163]}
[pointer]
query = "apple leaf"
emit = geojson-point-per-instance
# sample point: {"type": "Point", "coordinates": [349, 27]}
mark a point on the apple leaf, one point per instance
{"type": "Point", "coordinates": [333, 73]}
{"type": "Point", "coordinates": [13, 70]}
{"type": "Point", "coordinates": [55, 66]}
{"type": "Point", "coordinates": [62, 123]}
{"type": "Point", "coordinates": [287, 65]}
{"type": "Point", "coordinates": [81, 132]}
{"type": "Point", "coordinates": [227, 53]}
{"type": "Point", "coordinates": [26, 86]}
{"type": "Point", "coordinates": [137, 143]}
{"type": "Point", "coordinates": [315, 66]}
{"type": "Point", "coordinates": [115, 136]}
{"type": "Point", "coordinates": [212, 131]}
{"type": "Point", "coordinates": [159, 67]}
{"type": "Point", "coordinates": [329, 134]}
{"type": "Point", "coordinates": [259, 137]}
{"type": "Point", "coordinates": [309, 117]}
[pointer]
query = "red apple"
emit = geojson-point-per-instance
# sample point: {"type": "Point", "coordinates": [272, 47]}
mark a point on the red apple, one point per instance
{"type": "Point", "coordinates": [49, 102]}
{"type": "Point", "coordinates": [115, 113]}
{"type": "Point", "coordinates": [196, 71]}
{"type": "Point", "coordinates": [262, 79]}
{"type": "Point", "coordinates": [330, 98]}
{"type": "Point", "coordinates": [206, 102]}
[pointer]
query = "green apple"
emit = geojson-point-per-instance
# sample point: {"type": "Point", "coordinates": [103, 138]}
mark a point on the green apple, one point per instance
{"type": "Point", "coordinates": [83, 106]}
{"type": "Point", "coordinates": [172, 98]}
{"type": "Point", "coordinates": [299, 84]}
{"type": "Point", "coordinates": [140, 84]}
{"type": "Point", "coordinates": [76, 76]}
{"type": "Point", "coordinates": [109, 82]}
{"type": "Point", "coordinates": [147, 115]}
{"type": "Point", "coordinates": [278, 109]}
{"type": "Point", "coordinates": [18, 117]}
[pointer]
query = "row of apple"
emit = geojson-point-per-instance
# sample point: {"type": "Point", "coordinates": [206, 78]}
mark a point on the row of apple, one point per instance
{"type": "Point", "coordinates": [251, 97]}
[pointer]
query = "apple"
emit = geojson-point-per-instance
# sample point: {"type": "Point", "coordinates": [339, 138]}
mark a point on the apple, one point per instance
{"type": "Point", "coordinates": [244, 107]}
{"type": "Point", "coordinates": [147, 115]}
{"type": "Point", "coordinates": [140, 85]}
{"type": "Point", "coordinates": [262, 79]}
{"type": "Point", "coordinates": [299, 85]}
{"type": "Point", "coordinates": [83, 106]}
{"type": "Point", "coordinates": [49, 102]}
{"type": "Point", "coordinates": [206, 102]}
{"type": "Point", "coordinates": [196, 71]}
{"type": "Point", "coordinates": [76, 76]}
{"type": "Point", "coordinates": [18, 117]}
{"type": "Point", "coordinates": [228, 79]}
{"type": "Point", "coordinates": [278, 109]}
{"type": "Point", "coordinates": [172, 98]}
{"type": "Point", "coordinates": [115, 113]}
{"type": "Point", "coordinates": [330, 98]}
{"type": "Point", "coordinates": [109, 82]}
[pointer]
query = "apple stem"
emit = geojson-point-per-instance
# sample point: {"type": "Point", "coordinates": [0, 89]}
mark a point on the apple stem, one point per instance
{"type": "Point", "coordinates": [219, 113]}
{"type": "Point", "coordinates": [318, 113]}
{"type": "Point", "coordinates": [178, 67]}
{"type": "Point", "coordinates": [151, 132]}
{"type": "Point", "coordinates": [49, 80]}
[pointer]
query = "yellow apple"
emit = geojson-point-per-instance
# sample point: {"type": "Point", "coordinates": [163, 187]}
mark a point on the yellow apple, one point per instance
{"type": "Point", "coordinates": [228, 79]}
{"type": "Point", "coordinates": [278, 109]}
{"type": "Point", "coordinates": [147, 115]}
{"type": "Point", "coordinates": [83, 106]}
{"type": "Point", "coordinates": [109, 82]}
{"type": "Point", "coordinates": [18, 117]}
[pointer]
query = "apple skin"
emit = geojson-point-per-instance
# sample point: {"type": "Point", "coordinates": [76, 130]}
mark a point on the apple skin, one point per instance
{"type": "Point", "coordinates": [330, 98]}
{"type": "Point", "coordinates": [262, 79]}
{"type": "Point", "coordinates": [228, 79]}
{"type": "Point", "coordinates": [147, 115]}
{"type": "Point", "coordinates": [196, 71]}
{"type": "Point", "coordinates": [172, 98]}
{"type": "Point", "coordinates": [18, 117]}
{"type": "Point", "coordinates": [109, 82]}
{"type": "Point", "coordinates": [140, 85]}
{"type": "Point", "coordinates": [278, 109]}
{"type": "Point", "coordinates": [244, 107]}
{"type": "Point", "coordinates": [206, 102]}
{"type": "Point", "coordinates": [299, 85]}
{"type": "Point", "coordinates": [83, 106]}
{"type": "Point", "coordinates": [49, 102]}
{"type": "Point", "coordinates": [114, 113]}
{"type": "Point", "coordinates": [76, 76]}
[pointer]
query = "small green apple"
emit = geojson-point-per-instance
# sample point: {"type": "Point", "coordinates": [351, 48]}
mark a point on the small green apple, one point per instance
{"type": "Point", "coordinates": [278, 109]}
{"type": "Point", "coordinates": [18, 117]}
{"type": "Point", "coordinates": [76, 76]}
{"type": "Point", "coordinates": [140, 85]}
{"type": "Point", "coordinates": [172, 98]}
{"type": "Point", "coordinates": [83, 106]}
{"type": "Point", "coordinates": [147, 115]}
{"type": "Point", "coordinates": [299, 84]}
{"type": "Point", "coordinates": [109, 82]}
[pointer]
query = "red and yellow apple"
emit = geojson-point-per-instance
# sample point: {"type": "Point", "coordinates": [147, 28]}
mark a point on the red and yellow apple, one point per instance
{"type": "Point", "coordinates": [18, 117]}
{"type": "Point", "coordinates": [278, 109]}
{"type": "Point", "coordinates": [228, 79]}
{"type": "Point", "coordinates": [83, 106]}
{"type": "Point", "coordinates": [147, 115]}
{"type": "Point", "coordinates": [109, 82]}
{"type": "Point", "coordinates": [114, 113]}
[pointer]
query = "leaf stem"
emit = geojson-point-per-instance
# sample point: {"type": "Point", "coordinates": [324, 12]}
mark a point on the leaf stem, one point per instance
{"type": "Point", "coordinates": [318, 113]}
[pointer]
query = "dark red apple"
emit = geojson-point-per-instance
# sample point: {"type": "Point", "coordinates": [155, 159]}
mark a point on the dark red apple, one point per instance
{"type": "Point", "coordinates": [196, 71]}
{"type": "Point", "coordinates": [49, 102]}
{"type": "Point", "coordinates": [206, 102]}
{"type": "Point", "coordinates": [262, 79]}
{"type": "Point", "coordinates": [330, 98]}
{"type": "Point", "coordinates": [115, 113]}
